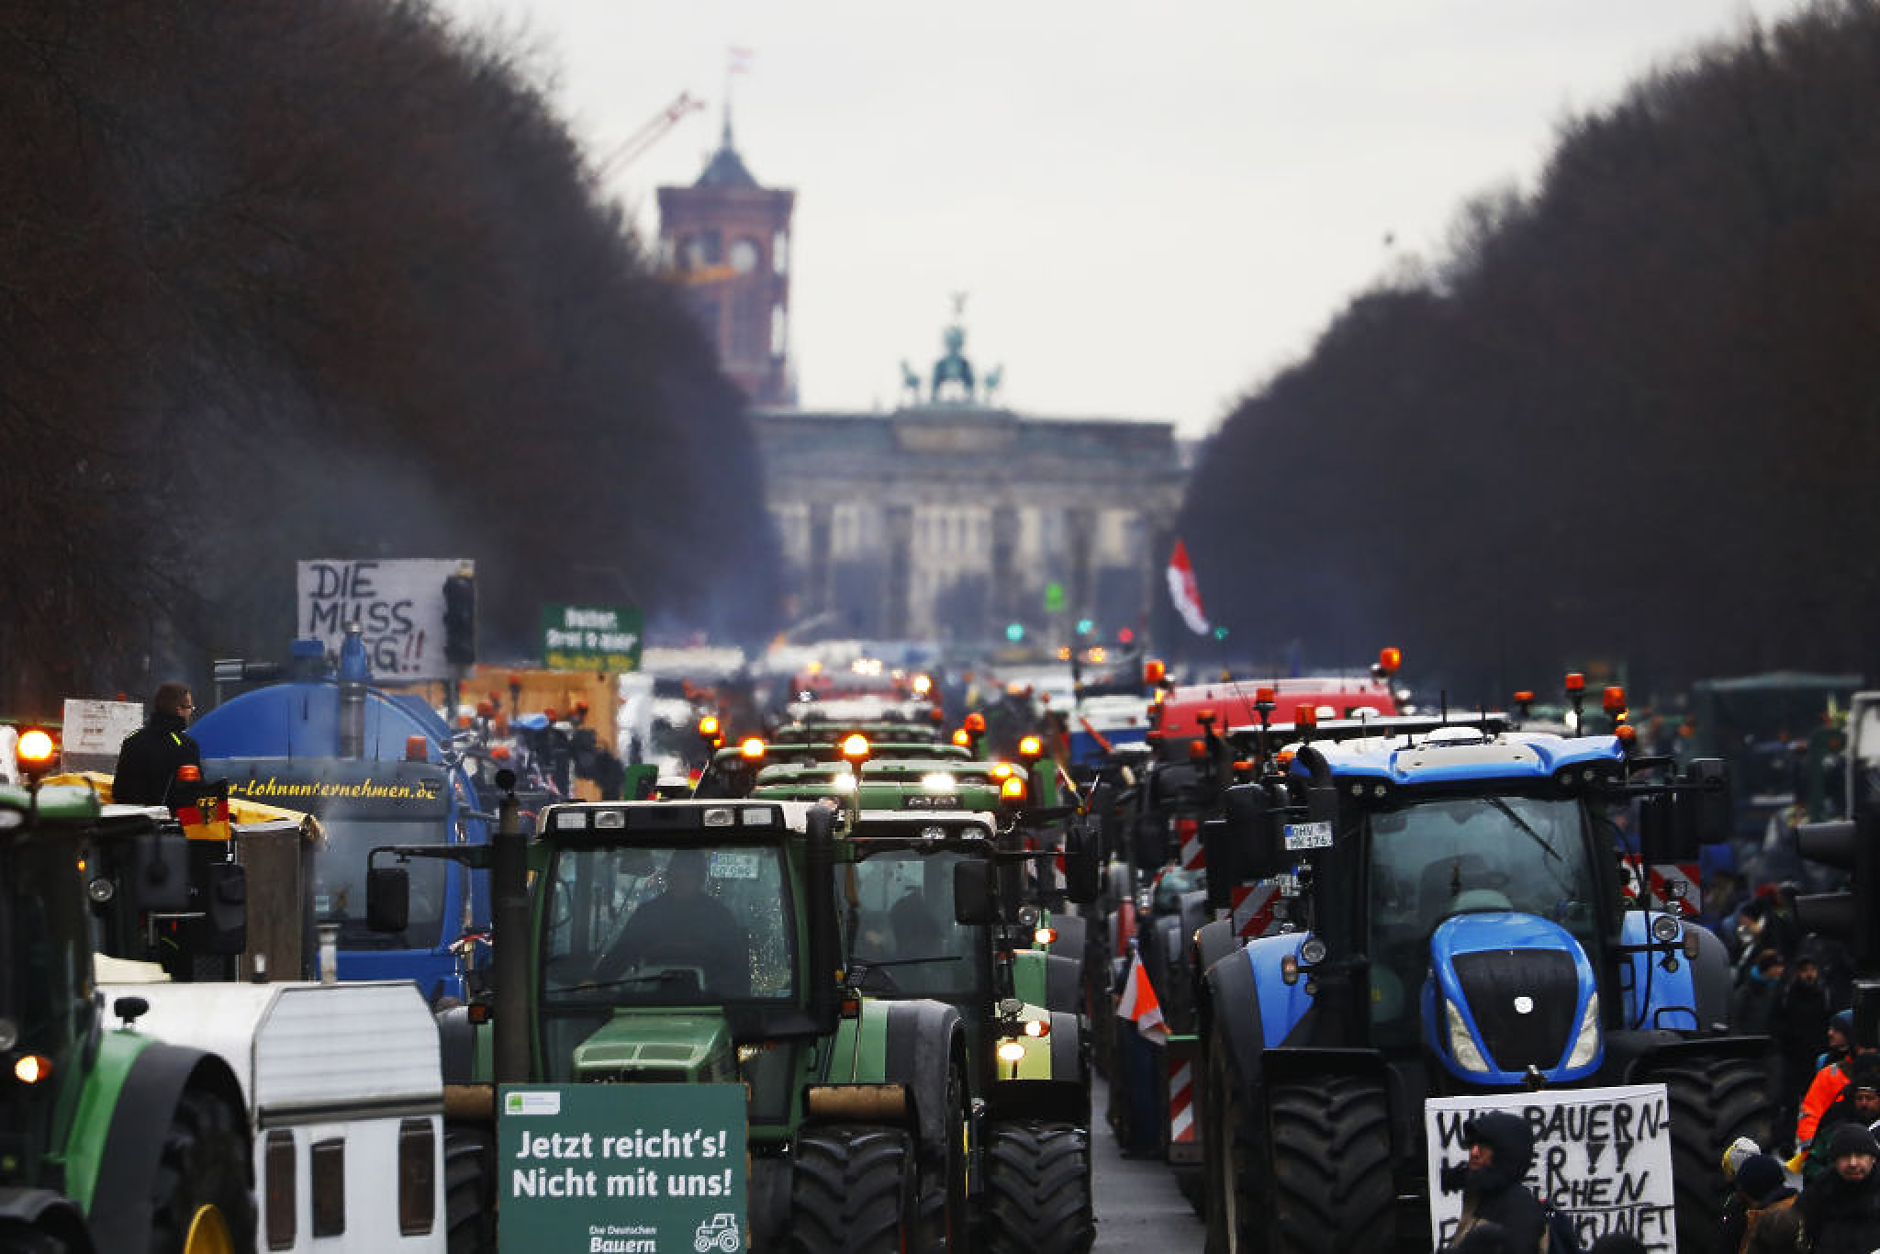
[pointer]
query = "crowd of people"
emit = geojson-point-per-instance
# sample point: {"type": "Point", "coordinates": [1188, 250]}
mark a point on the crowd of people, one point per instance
{"type": "Point", "coordinates": [1814, 1187]}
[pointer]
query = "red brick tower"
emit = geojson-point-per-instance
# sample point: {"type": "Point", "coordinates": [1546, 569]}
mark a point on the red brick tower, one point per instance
{"type": "Point", "coordinates": [726, 241]}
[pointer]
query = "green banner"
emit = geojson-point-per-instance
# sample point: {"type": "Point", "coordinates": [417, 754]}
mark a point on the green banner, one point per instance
{"type": "Point", "coordinates": [591, 638]}
{"type": "Point", "coordinates": [621, 1168]}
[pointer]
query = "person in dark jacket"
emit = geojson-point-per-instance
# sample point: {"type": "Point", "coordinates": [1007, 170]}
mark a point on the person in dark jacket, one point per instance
{"type": "Point", "coordinates": [1841, 1208]}
{"type": "Point", "coordinates": [1773, 1224]}
{"type": "Point", "coordinates": [1800, 1026]}
{"type": "Point", "coordinates": [150, 756]}
{"type": "Point", "coordinates": [1618, 1243]}
{"type": "Point", "coordinates": [1753, 1006]}
{"type": "Point", "coordinates": [1484, 1238]}
{"type": "Point", "coordinates": [1501, 1147]}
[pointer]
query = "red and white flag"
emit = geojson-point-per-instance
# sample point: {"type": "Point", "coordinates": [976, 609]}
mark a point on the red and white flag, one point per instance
{"type": "Point", "coordinates": [1184, 591]}
{"type": "Point", "coordinates": [1138, 1004]}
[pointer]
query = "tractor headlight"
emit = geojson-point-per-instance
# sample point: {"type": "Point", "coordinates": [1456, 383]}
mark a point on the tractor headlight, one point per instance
{"type": "Point", "coordinates": [1461, 1043]}
{"type": "Point", "coordinates": [1586, 1044]}
{"type": "Point", "coordinates": [1012, 1052]}
{"type": "Point", "coordinates": [1665, 929]}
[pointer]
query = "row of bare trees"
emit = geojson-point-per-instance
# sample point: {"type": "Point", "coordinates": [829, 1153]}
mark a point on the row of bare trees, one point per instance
{"type": "Point", "coordinates": [1630, 418]}
{"type": "Point", "coordinates": [283, 280]}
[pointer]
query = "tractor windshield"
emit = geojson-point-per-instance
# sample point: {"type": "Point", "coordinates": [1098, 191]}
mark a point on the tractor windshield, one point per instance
{"type": "Point", "coordinates": [678, 925]}
{"type": "Point", "coordinates": [899, 910]}
{"type": "Point", "coordinates": [1441, 857]}
{"type": "Point", "coordinates": [46, 977]}
{"type": "Point", "coordinates": [361, 804]}
{"type": "Point", "coordinates": [339, 880]}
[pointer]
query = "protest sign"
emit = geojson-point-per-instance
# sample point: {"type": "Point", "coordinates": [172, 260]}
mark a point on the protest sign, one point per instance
{"type": "Point", "coordinates": [1603, 1156]}
{"type": "Point", "coordinates": [398, 604]}
{"type": "Point", "coordinates": [621, 1168]}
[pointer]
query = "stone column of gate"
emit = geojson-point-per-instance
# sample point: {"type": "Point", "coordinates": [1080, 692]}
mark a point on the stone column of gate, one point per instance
{"type": "Point", "coordinates": [1003, 595]}
{"type": "Point", "coordinates": [817, 574]}
{"type": "Point", "coordinates": [899, 583]}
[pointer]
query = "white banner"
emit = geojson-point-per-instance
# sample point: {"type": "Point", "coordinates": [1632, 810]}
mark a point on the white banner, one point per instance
{"type": "Point", "coordinates": [1601, 1155]}
{"type": "Point", "coordinates": [399, 604]}
{"type": "Point", "coordinates": [96, 729]}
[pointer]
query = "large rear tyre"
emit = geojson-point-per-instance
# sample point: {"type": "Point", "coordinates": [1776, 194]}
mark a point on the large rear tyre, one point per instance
{"type": "Point", "coordinates": [1711, 1102]}
{"type": "Point", "coordinates": [1038, 1189]}
{"type": "Point", "coordinates": [469, 1190]}
{"type": "Point", "coordinates": [1330, 1168]}
{"type": "Point", "coordinates": [203, 1193]}
{"type": "Point", "coordinates": [942, 1225]}
{"type": "Point", "coordinates": [852, 1191]}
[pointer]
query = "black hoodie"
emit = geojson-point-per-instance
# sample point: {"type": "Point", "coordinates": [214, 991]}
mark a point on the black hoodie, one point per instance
{"type": "Point", "coordinates": [149, 758]}
{"type": "Point", "coordinates": [1495, 1193]}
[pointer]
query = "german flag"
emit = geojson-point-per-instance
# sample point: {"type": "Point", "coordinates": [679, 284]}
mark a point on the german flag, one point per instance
{"type": "Point", "coordinates": [204, 813]}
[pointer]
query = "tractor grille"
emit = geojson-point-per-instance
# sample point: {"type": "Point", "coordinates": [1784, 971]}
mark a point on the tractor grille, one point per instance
{"type": "Point", "coordinates": [1492, 979]}
{"type": "Point", "coordinates": [637, 1075]}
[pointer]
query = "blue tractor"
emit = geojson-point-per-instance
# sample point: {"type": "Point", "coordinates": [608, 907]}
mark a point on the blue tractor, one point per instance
{"type": "Point", "coordinates": [1435, 873]}
{"type": "Point", "coordinates": [377, 769]}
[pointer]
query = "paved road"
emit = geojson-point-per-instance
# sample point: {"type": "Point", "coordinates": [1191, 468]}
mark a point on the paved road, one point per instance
{"type": "Point", "coordinates": [1138, 1205]}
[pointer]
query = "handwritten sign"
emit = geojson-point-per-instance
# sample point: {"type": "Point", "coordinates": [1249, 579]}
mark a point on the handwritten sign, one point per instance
{"type": "Point", "coordinates": [1603, 1156]}
{"type": "Point", "coordinates": [622, 1168]}
{"type": "Point", "coordinates": [398, 604]}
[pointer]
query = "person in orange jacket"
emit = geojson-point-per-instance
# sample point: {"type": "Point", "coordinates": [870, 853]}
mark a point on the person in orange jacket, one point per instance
{"type": "Point", "coordinates": [1827, 1086]}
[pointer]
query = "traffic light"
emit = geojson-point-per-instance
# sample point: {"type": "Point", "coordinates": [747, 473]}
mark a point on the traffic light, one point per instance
{"type": "Point", "coordinates": [1085, 626]}
{"type": "Point", "coordinates": [460, 620]}
{"type": "Point", "coordinates": [1849, 845]}
{"type": "Point", "coordinates": [1015, 632]}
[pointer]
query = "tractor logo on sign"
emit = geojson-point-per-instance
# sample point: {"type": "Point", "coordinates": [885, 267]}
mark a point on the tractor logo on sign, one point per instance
{"type": "Point", "coordinates": [720, 1232]}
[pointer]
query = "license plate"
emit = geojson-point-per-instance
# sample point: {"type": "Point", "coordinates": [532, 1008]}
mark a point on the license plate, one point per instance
{"type": "Point", "coordinates": [1307, 835]}
{"type": "Point", "coordinates": [933, 801]}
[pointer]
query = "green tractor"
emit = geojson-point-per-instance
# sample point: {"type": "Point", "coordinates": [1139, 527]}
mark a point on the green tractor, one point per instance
{"type": "Point", "coordinates": [110, 1140]}
{"type": "Point", "coordinates": [700, 942]}
{"type": "Point", "coordinates": [939, 897]}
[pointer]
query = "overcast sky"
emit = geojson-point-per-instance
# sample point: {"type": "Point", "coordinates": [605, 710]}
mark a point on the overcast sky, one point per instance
{"type": "Point", "coordinates": [1152, 208]}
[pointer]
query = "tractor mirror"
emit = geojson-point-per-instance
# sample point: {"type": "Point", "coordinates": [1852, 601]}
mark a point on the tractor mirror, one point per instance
{"type": "Point", "coordinates": [1226, 862]}
{"type": "Point", "coordinates": [160, 873]}
{"type": "Point", "coordinates": [1704, 811]}
{"type": "Point", "coordinates": [1658, 835]}
{"type": "Point", "coordinates": [1249, 836]}
{"type": "Point", "coordinates": [388, 898]}
{"type": "Point", "coordinates": [972, 893]}
{"type": "Point", "coordinates": [1083, 877]}
{"type": "Point", "coordinates": [223, 928]}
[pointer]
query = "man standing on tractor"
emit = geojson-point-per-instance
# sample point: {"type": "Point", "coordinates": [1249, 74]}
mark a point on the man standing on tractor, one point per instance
{"type": "Point", "coordinates": [150, 756]}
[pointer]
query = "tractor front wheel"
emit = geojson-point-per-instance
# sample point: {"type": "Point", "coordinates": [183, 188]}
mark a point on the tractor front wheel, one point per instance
{"type": "Point", "coordinates": [1712, 1102]}
{"type": "Point", "coordinates": [852, 1191]}
{"type": "Point", "coordinates": [469, 1190]}
{"type": "Point", "coordinates": [1038, 1188]}
{"type": "Point", "coordinates": [1230, 1150]}
{"type": "Point", "coordinates": [942, 1202]}
{"type": "Point", "coordinates": [203, 1196]}
{"type": "Point", "coordinates": [1330, 1168]}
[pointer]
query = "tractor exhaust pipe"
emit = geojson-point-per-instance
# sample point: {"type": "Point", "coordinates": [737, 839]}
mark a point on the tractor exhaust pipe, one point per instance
{"type": "Point", "coordinates": [509, 920]}
{"type": "Point", "coordinates": [825, 959]}
{"type": "Point", "coordinates": [354, 674]}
